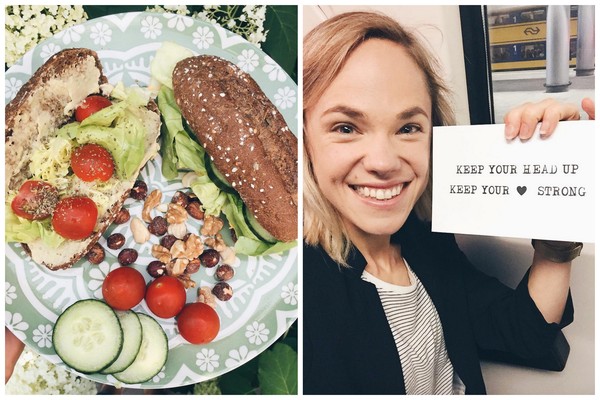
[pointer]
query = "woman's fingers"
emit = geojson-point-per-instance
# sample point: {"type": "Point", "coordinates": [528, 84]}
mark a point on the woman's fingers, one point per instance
{"type": "Point", "coordinates": [589, 107]}
{"type": "Point", "coordinates": [522, 120]}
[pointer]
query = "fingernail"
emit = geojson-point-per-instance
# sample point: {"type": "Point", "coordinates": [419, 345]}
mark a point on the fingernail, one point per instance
{"type": "Point", "coordinates": [523, 130]}
{"type": "Point", "coordinates": [509, 132]}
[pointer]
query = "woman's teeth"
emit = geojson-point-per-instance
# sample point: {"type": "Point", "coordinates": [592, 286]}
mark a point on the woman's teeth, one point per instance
{"type": "Point", "coordinates": [379, 194]}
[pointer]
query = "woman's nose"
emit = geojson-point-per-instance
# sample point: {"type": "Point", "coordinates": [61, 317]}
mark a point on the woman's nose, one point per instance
{"type": "Point", "coordinates": [381, 156]}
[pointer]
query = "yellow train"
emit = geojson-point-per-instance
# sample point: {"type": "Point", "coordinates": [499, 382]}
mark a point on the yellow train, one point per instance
{"type": "Point", "coordinates": [517, 37]}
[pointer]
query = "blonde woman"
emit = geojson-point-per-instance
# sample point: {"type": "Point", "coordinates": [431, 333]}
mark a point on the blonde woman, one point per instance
{"type": "Point", "coordinates": [389, 306]}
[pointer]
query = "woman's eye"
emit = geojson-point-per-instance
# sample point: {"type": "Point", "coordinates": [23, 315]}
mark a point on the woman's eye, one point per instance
{"type": "Point", "coordinates": [346, 129]}
{"type": "Point", "coordinates": [410, 128]}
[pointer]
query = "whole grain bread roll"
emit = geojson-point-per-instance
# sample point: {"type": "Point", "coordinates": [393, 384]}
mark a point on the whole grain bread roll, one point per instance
{"type": "Point", "coordinates": [42, 105]}
{"type": "Point", "coordinates": [245, 136]}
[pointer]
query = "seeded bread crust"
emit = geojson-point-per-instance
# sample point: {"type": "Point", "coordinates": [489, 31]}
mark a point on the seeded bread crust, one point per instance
{"type": "Point", "coordinates": [245, 136]}
{"type": "Point", "coordinates": [46, 102]}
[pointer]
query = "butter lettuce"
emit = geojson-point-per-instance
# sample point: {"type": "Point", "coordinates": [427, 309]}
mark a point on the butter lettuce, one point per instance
{"type": "Point", "coordinates": [21, 230]}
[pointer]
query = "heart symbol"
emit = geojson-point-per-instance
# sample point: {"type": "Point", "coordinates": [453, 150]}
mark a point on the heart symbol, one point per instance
{"type": "Point", "coordinates": [521, 189]}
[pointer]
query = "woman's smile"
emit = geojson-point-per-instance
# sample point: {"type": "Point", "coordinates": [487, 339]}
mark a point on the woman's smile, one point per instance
{"type": "Point", "coordinates": [378, 193]}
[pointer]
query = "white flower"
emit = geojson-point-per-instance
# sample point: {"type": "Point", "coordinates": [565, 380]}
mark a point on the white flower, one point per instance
{"type": "Point", "coordinates": [257, 333]}
{"type": "Point", "coordinates": [248, 60]}
{"type": "Point", "coordinates": [285, 98]}
{"type": "Point", "coordinates": [42, 335]}
{"type": "Point", "coordinates": [73, 34]}
{"type": "Point", "coordinates": [239, 356]}
{"type": "Point", "coordinates": [289, 294]}
{"type": "Point", "coordinates": [207, 360]}
{"type": "Point", "coordinates": [203, 37]}
{"type": "Point", "coordinates": [151, 27]}
{"type": "Point", "coordinates": [16, 322]}
{"type": "Point", "coordinates": [34, 374]}
{"type": "Point", "coordinates": [178, 22]}
{"type": "Point", "coordinates": [273, 70]}
{"type": "Point", "coordinates": [101, 34]}
{"type": "Point", "coordinates": [10, 290]}
{"type": "Point", "coordinates": [49, 50]}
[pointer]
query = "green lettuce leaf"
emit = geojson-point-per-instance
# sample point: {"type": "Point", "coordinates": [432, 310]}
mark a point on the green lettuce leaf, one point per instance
{"type": "Point", "coordinates": [21, 230]}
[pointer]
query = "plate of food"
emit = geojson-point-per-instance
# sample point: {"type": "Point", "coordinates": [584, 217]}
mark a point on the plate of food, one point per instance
{"type": "Point", "coordinates": [199, 194]}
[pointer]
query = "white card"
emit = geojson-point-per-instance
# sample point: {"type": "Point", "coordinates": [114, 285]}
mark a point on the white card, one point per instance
{"type": "Point", "coordinates": [541, 188]}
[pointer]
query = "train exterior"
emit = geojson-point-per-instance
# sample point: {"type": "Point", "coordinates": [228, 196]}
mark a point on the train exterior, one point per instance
{"type": "Point", "coordinates": [518, 38]}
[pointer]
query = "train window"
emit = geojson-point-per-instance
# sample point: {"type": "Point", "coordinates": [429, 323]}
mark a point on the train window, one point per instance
{"type": "Point", "coordinates": [513, 40]}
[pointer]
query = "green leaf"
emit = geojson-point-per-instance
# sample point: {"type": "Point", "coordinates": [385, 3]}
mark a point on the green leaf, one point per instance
{"type": "Point", "coordinates": [242, 380]}
{"type": "Point", "coordinates": [282, 39]}
{"type": "Point", "coordinates": [278, 370]}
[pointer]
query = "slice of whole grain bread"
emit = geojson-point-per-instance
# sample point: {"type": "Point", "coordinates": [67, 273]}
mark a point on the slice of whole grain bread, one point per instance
{"type": "Point", "coordinates": [245, 136]}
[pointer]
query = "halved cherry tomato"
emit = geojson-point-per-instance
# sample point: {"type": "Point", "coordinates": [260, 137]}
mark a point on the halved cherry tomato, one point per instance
{"type": "Point", "coordinates": [75, 217]}
{"type": "Point", "coordinates": [198, 323]}
{"type": "Point", "coordinates": [36, 200]}
{"type": "Point", "coordinates": [91, 105]}
{"type": "Point", "coordinates": [92, 161]}
{"type": "Point", "coordinates": [165, 296]}
{"type": "Point", "coordinates": [123, 288]}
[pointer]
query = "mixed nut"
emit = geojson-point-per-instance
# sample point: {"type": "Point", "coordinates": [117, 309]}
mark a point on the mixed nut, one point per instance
{"type": "Point", "coordinates": [179, 253]}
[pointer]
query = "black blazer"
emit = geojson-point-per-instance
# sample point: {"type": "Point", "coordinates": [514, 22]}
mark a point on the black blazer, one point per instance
{"type": "Point", "coordinates": [348, 345]}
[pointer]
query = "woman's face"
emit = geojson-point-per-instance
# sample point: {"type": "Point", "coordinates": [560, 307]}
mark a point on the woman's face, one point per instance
{"type": "Point", "coordinates": [369, 138]}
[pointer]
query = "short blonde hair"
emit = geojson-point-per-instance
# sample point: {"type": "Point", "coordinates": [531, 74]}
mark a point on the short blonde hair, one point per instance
{"type": "Point", "coordinates": [326, 49]}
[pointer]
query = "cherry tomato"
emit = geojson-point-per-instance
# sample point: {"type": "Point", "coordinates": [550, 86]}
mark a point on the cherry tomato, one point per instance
{"type": "Point", "coordinates": [123, 288]}
{"type": "Point", "coordinates": [75, 217]}
{"type": "Point", "coordinates": [91, 105]}
{"type": "Point", "coordinates": [198, 323]}
{"type": "Point", "coordinates": [36, 200]}
{"type": "Point", "coordinates": [165, 296]}
{"type": "Point", "coordinates": [92, 161]}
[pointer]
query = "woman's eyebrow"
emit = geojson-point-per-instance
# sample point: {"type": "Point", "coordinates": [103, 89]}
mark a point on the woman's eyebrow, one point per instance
{"type": "Point", "coordinates": [411, 112]}
{"type": "Point", "coordinates": [346, 110]}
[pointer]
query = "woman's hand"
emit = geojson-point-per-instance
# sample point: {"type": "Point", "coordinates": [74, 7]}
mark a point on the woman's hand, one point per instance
{"type": "Point", "coordinates": [13, 348]}
{"type": "Point", "coordinates": [522, 120]}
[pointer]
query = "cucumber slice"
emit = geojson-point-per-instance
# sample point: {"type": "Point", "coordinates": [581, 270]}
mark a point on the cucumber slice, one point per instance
{"type": "Point", "coordinates": [132, 340]}
{"type": "Point", "coordinates": [216, 177]}
{"type": "Point", "coordinates": [152, 355]}
{"type": "Point", "coordinates": [88, 336]}
{"type": "Point", "coordinates": [257, 228]}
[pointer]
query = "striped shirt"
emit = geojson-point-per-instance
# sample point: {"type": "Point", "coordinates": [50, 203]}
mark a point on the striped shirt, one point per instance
{"type": "Point", "coordinates": [419, 338]}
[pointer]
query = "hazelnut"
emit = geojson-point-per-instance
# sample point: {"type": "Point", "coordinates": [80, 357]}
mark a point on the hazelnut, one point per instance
{"type": "Point", "coordinates": [115, 241]}
{"type": "Point", "coordinates": [194, 208]}
{"type": "Point", "coordinates": [139, 190]}
{"type": "Point", "coordinates": [233, 234]}
{"type": "Point", "coordinates": [96, 254]}
{"type": "Point", "coordinates": [167, 241]}
{"type": "Point", "coordinates": [210, 258]}
{"type": "Point", "coordinates": [156, 269]}
{"type": "Point", "coordinates": [158, 226]}
{"type": "Point", "coordinates": [193, 266]}
{"type": "Point", "coordinates": [222, 291]}
{"type": "Point", "coordinates": [224, 272]}
{"type": "Point", "coordinates": [127, 256]}
{"type": "Point", "coordinates": [180, 198]}
{"type": "Point", "coordinates": [122, 216]}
